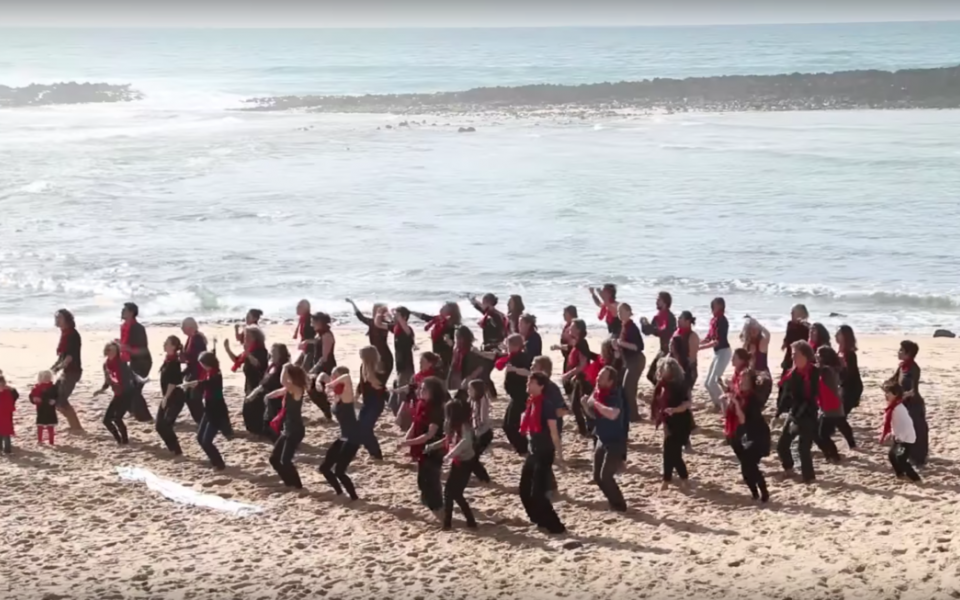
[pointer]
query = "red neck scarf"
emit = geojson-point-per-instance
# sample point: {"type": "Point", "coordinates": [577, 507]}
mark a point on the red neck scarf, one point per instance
{"type": "Point", "coordinates": [204, 374]}
{"type": "Point", "coordinates": [125, 338]}
{"type": "Point", "coordinates": [458, 356]}
{"type": "Point", "coordinates": [247, 350]}
{"type": "Point", "coordinates": [681, 331]}
{"type": "Point", "coordinates": [573, 359]}
{"type": "Point", "coordinates": [607, 314]}
{"type": "Point", "coordinates": [64, 335]}
{"type": "Point", "coordinates": [592, 371]}
{"type": "Point", "coordinates": [503, 361]}
{"type": "Point", "coordinates": [421, 422]}
{"type": "Point", "coordinates": [489, 313]}
{"type": "Point", "coordinates": [532, 419]}
{"type": "Point", "coordinates": [712, 331]}
{"type": "Point", "coordinates": [39, 389]}
{"type": "Point", "coordinates": [566, 336]}
{"type": "Point", "coordinates": [187, 348]}
{"type": "Point", "coordinates": [730, 419]}
{"type": "Point", "coordinates": [398, 330]}
{"type": "Point", "coordinates": [661, 320]}
{"type": "Point", "coordinates": [906, 365]}
{"type": "Point", "coordinates": [437, 327]}
{"type": "Point", "coordinates": [601, 397]}
{"type": "Point", "coordinates": [112, 365]}
{"type": "Point", "coordinates": [171, 358]}
{"type": "Point", "coordinates": [277, 423]}
{"type": "Point", "coordinates": [419, 377]}
{"type": "Point", "coordinates": [804, 372]}
{"type": "Point", "coordinates": [660, 395]}
{"type": "Point", "coordinates": [300, 332]}
{"type": "Point", "coordinates": [888, 417]}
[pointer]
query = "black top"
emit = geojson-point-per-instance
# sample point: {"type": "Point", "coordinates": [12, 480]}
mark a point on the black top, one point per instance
{"type": "Point", "coordinates": [470, 363]}
{"type": "Point", "coordinates": [533, 345]}
{"type": "Point", "coordinates": [47, 408]}
{"type": "Point", "coordinates": [631, 334]}
{"type": "Point", "coordinates": [137, 340]}
{"type": "Point", "coordinates": [663, 334]}
{"type": "Point", "coordinates": [346, 415]}
{"type": "Point", "coordinates": [127, 380]}
{"type": "Point", "coordinates": [315, 357]}
{"type": "Point", "coordinates": [214, 404]}
{"type": "Point", "coordinates": [680, 424]}
{"type": "Point", "coordinates": [435, 417]}
{"type": "Point", "coordinates": [493, 327]}
{"type": "Point", "coordinates": [74, 343]}
{"type": "Point", "coordinates": [542, 443]}
{"type": "Point", "coordinates": [795, 333]}
{"type": "Point", "coordinates": [514, 384]}
{"type": "Point", "coordinates": [170, 374]}
{"type": "Point", "coordinates": [680, 351]}
{"type": "Point", "coordinates": [851, 384]}
{"type": "Point", "coordinates": [722, 334]}
{"type": "Point", "coordinates": [910, 381]}
{"type": "Point", "coordinates": [614, 327]}
{"type": "Point", "coordinates": [195, 346]}
{"type": "Point", "coordinates": [799, 397]}
{"type": "Point", "coordinates": [255, 373]}
{"type": "Point", "coordinates": [376, 335]}
{"type": "Point", "coordinates": [293, 416]}
{"type": "Point", "coordinates": [403, 343]}
{"type": "Point", "coordinates": [271, 379]}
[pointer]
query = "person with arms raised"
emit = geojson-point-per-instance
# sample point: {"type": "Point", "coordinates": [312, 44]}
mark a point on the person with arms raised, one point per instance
{"type": "Point", "coordinates": [606, 300]}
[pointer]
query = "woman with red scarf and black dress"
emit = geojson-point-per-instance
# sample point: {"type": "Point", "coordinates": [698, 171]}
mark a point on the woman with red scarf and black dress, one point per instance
{"type": "Point", "coordinates": [254, 361]}
{"type": "Point", "coordinates": [427, 429]}
{"type": "Point", "coordinates": [540, 424]}
{"type": "Point", "coordinates": [663, 326]}
{"type": "Point", "coordinates": [259, 397]}
{"type": "Point", "coordinates": [294, 381]}
{"type": "Point", "coordinates": [216, 416]}
{"type": "Point", "coordinates": [68, 365]}
{"type": "Point", "coordinates": [321, 350]}
{"type": "Point", "coordinates": [578, 360]}
{"type": "Point", "coordinates": [630, 344]}
{"type": "Point", "coordinates": [120, 378]}
{"type": "Point", "coordinates": [744, 427]}
{"type": "Point", "coordinates": [611, 426]}
{"type": "Point", "coordinates": [851, 383]}
{"type": "Point", "coordinates": [442, 329]}
{"type": "Point", "coordinates": [468, 364]}
{"type": "Point", "coordinates": [517, 364]}
{"type": "Point", "coordinates": [671, 408]}
{"type": "Point", "coordinates": [303, 333]}
{"type": "Point", "coordinates": [493, 325]}
{"type": "Point", "coordinates": [195, 345]}
{"type": "Point", "coordinates": [568, 338]}
{"type": "Point", "coordinates": [174, 398]}
{"type": "Point", "coordinates": [403, 343]}
{"type": "Point", "coordinates": [606, 301]}
{"type": "Point", "coordinates": [799, 401]}
{"type": "Point", "coordinates": [134, 350]}
{"type": "Point", "coordinates": [908, 376]}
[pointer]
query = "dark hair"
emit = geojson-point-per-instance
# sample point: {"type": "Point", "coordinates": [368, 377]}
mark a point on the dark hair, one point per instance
{"type": "Point", "coordinates": [581, 326]}
{"type": "Point", "coordinates": [175, 342]}
{"type": "Point", "coordinates": [67, 316]}
{"type": "Point", "coordinates": [541, 379]}
{"type": "Point", "coordinates": [749, 374]}
{"type": "Point", "coordinates": [688, 316]}
{"type": "Point", "coordinates": [209, 360]}
{"type": "Point", "coordinates": [491, 299]}
{"type": "Point", "coordinates": [892, 387]}
{"type": "Point", "coordinates": [297, 376]}
{"type": "Point", "coordinates": [529, 319]}
{"type": "Point", "coordinates": [320, 317]}
{"type": "Point", "coordinates": [803, 347]}
{"type": "Point", "coordinates": [465, 335]}
{"type": "Point", "coordinates": [911, 348]}
{"type": "Point", "coordinates": [666, 298]}
{"type": "Point", "coordinates": [458, 414]}
{"type": "Point", "coordinates": [256, 313]}
{"type": "Point", "coordinates": [478, 387]}
{"type": "Point", "coordinates": [718, 302]}
{"type": "Point", "coordinates": [828, 357]}
{"type": "Point", "coordinates": [431, 358]}
{"type": "Point", "coordinates": [742, 353]}
{"type": "Point", "coordinates": [849, 339]}
{"type": "Point", "coordinates": [822, 335]}
{"type": "Point", "coordinates": [283, 351]}
{"type": "Point", "coordinates": [518, 306]}
{"type": "Point", "coordinates": [571, 310]}
{"type": "Point", "coordinates": [132, 308]}
{"type": "Point", "coordinates": [453, 313]}
{"type": "Point", "coordinates": [609, 289]}
{"type": "Point", "coordinates": [436, 389]}
{"type": "Point", "coordinates": [403, 311]}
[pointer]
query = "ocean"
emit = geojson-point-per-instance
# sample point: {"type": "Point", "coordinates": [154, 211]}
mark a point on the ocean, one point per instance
{"type": "Point", "coordinates": [188, 206]}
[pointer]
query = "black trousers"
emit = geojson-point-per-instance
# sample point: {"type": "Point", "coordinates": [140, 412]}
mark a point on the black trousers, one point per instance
{"type": "Point", "coordinates": [335, 464]}
{"type": "Point", "coordinates": [607, 460]}
{"type": "Point", "coordinates": [138, 404]}
{"type": "Point", "coordinates": [321, 401]}
{"type": "Point", "coordinates": [113, 416]}
{"type": "Point", "coordinates": [652, 371]}
{"type": "Point", "coordinates": [453, 492]}
{"type": "Point", "coordinates": [673, 457]}
{"type": "Point", "coordinates": [167, 416]}
{"type": "Point", "coordinates": [270, 411]}
{"type": "Point", "coordinates": [827, 427]}
{"type": "Point", "coordinates": [428, 482]}
{"type": "Point", "coordinates": [750, 467]}
{"type": "Point", "coordinates": [282, 458]}
{"type": "Point", "coordinates": [511, 425]}
{"type": "Point", "coordinates": [534, 485]}
{"type": "Point", "coordinates": [900, 460]}
{"type": "Point", "coordinates": [483, 442]}
{"type": "Point", "coordinates": [195, 404]}
{"type": "Point", "coordinates": [253, 410]}
{"type": "Point", "coordinates": [805, 431]}
{"type": "Point", "coordinates": [581, 391]}
{"type": "Point", "coordinates": [206, 433]}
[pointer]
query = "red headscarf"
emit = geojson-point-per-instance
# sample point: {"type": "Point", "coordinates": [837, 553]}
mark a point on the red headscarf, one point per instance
{"type": "Point", "coordinates": [125, 338]}
{"type": "Point", "coordinates": [532, 419]}
{"type": "Point", "coordinates": [888, 417]}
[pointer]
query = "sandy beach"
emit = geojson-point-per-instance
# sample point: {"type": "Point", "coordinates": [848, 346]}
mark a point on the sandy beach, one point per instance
{"type": "Point", "coordinates": [71, 528]}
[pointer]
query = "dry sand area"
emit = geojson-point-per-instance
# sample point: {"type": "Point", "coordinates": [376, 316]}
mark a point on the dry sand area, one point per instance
{"type": "Point", "coordinates": [71, 528]}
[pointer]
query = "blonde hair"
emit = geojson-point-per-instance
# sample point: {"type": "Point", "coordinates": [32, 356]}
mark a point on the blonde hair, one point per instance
{"type": "Point", "coordinates": [668, 368]}
{"type": "Point", "coordinates": [369, 360]}
{"type": "Point", "coordinates": [515, 340]}
{"type": "Point", "coordinates": [44, 377]}
{"type": "Point", "coordinates": [340, 371]}
{"type": "Point", "coordinates": [748, 324]}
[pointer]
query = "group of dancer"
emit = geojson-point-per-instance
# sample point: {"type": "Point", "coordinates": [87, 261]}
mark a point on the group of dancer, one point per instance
{"type": "Point", "coordinates": [442, 402]}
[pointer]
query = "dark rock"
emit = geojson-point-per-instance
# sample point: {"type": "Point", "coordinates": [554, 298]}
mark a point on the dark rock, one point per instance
{"type": "Point", "coordinates": [66, 93]}
{"type": "Point", "coordinates": [572, 545]}
{"type": "Point", "coordinates": [466, 130]}
{"type": "Point", "coordinates": [943, 333]}
{"type": "Point", "coordinates": [389, 127]}
{"type": "Point", "coordinates": [833, 314]}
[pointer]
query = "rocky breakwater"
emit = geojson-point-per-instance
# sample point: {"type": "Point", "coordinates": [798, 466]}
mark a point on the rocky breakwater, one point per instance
{"type": "Point", "coordinates": [65, 93]}
{"type": "Point", "coordinates": [845, 90]}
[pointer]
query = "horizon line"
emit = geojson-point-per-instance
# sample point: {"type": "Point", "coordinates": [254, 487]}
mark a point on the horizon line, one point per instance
{"type": "Point", "coordinates": [467, 27]}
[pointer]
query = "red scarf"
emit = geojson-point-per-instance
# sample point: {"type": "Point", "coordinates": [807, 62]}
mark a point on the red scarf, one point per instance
{"type": "Point", "coordinates": [730, 419]}
{"type": "Point", "coordinates": [419, 377]}
{"type": "Point", "coordinates": [205, 375]}
{"type": "Point", "coordinates": [38, 391]}
{"type": "Point", "coordinates": [607, 315]}
{"type": "Point", "coordinates": [573, 359]}
{"type": "Point", "coordinates": [805, 373]}
{"type": "Point", "coordinates": [888, 417]}
{"type": "Point", "coordinates": [681, 331]}
{"type": "Point", "coordinates": [299, 332]}
{"type": "Point", "coordinates": [277, 423]}
{"type": "Point", "coordinates": [112, 365]}
{"type": "Point", "coordinates": [906, 365]}
{"type": "Point", "coordinates": [486, 317]}
{"type": "Point", "coordinates": [398, 330]}
{"type": "Point", "coordinates": [247, 350]}
{"type": "Point", "coordinates": [712, 331]}
{"type": "Point", "coordinates": [566, 336]}
{"type": "Point", "coordinates": [64, 335]}
{"type": "Point", "coordinates": [125, 338]}
{"type": "Point", "coordinates": [662, 319]}
{"type": "Point", "coordinates": [171, 358]}
{"type": "Point", "coordinates": [600, 396]}
{"type": "Point", "coordinates": [660, 394]}
{"type": "Point", "coordinates": [532, 419]}
{"type": "Point", "coordinates": [458, 357]}
{"type": "Point", "coordinates": [437, 327]}
{"type": "Point", "coordinates": [592, 371]}
{"type": "Point", "coordinates": [735, 380]}
{"type": "Point", "coordinates": [503, 361]}
{"type": "Point", "coordinates": [185, 355]}
{"type": "Point", "coordinates": [421, 422]}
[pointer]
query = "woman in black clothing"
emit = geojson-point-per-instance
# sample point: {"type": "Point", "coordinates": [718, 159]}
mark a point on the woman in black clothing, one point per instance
{"type": "Point", "coordinates": [343, 450]}
{"type": "Point", "coordinates": [540, 424]}
{"type": "Point", "coordinates": [493, 325]}
{"type": "Point", "coordinates": [515, 309]}
{"type": "Point", "coordinates": [403, 342]}
{"type": "Point", "coordinates": [134, 350]}
{"type": "Point", "coordinates": [672, 409]}
{"type": "Point", "coordinates": [800, 387]}
{"type": "Point", "coordinates": [819, 336]}
{"type": "Point", "coordinates": [577, 360]}
{"type": "Point", "coordinates": [908, 377]}
{"type": "Point", "coordinates": [568, 337]}
{"type": "Point", "coordinates": [606, 301]}
{"type": "Point", "coordinates": [517, 365]}
{"type": "Point", "coordinates": [323, 358]}
{"type": "Point", "coordinates": [684, 347]}
{"type": "Point", "coordinates": [294, 381]}
{"type": "Point", "coordinates": [532, 342]}
{"type": "Point", "coordinates": [378, 328]}
{"type": "Point", "coordinates": [120, 378]}
{"type": "Point", "coordinates": [258, 410]}
{"type": "Point", "coordinates": [216, 417]}
{"type": "Point", "coordinates": [851, 384]}
{"type": "Point", "coordinates": [468, 363]}
{"type": "Point", "coordinates": [174, 398]}
{"type": "Point", "coordinates": [195, 346]}
{"type": "Point", "coordinates": [427, 428]}
{"type": "Point", "coordinates": [443, 328]}
{"type": "Point", "coordinates": [797, 329]}
{"type": "Point", "coordinates": [372, 388]}
{"type": "Point", "coordinates": [832, 416]}
{"type": "Point", "coordinates": [253, 360]}
{"type": "Point", "coordinates": [746, 430]}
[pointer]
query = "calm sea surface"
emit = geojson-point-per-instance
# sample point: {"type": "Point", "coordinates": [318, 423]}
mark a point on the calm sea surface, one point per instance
{"type": "Point", "coordinates": [191, 208]}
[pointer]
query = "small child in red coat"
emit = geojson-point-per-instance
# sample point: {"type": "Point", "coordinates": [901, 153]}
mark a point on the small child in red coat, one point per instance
{"type": "Point", "coordinates": [8, 405]}
{"type": "Point", "coordinates": [44, 397]}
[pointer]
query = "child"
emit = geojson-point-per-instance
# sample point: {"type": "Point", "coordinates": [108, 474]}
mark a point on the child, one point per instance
{"type": "Point", "coordinates": [342, 452]}
{"type": "Point", "coordinates": [44, 396]}
{"type": "Point", "coordinates": [216, 417]}
{"type": "Point", "coordinates": [897, 422]}
{"type": "Point", "coordinates": [744, 427]}
{"type": "Point", "coordinates": [427, 428]}
{"type": "Point", "coordinates": [459, 443]}
{"type": "Point", "coordinates": [8, 405]}
{"type": "Point", "coordinates": [482, 426]}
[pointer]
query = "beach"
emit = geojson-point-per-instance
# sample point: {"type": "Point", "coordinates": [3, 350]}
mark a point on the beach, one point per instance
{"type": "Point", "coordinates": [73, 529]}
